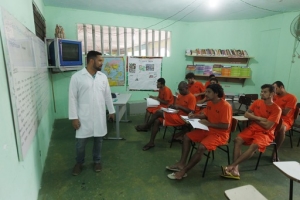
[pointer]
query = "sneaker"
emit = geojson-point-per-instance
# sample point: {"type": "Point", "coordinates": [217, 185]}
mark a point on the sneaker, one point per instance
{"type": "Point", "coordinates": [77, 169]}
{"type": "Point", "coordinates": [97, 167]}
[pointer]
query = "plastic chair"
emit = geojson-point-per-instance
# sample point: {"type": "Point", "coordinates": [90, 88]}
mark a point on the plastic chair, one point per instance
{"type": "Point", "coordinates": [243, 100]}
{"type": "Point", "coordinates": [224, 147]}
{"type": "Point", "coordinates": [272, 143]}
{"type": "Point", "coordinates": [253, 97]}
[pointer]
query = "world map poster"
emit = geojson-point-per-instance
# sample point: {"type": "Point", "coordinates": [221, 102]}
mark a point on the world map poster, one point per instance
{"type": "Point", "coordinates": [114, 68]}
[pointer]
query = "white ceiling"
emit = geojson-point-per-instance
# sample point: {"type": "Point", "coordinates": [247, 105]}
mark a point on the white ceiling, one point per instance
{"type": "Point", "coordinates": [185, 10]}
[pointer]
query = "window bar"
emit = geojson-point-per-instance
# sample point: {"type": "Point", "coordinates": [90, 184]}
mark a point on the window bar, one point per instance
{"type": "Point", "coordinates": [109, 40]}
{"type": "Point", "coordinates": [159, 39]}
{"type": "Point", "coordinates": [84, 39]}
{"type": "Point", "coordinates": [146, 42]}
{"type": "Point", "coordinates": [132, 41]}
{"type": "Point", "coordinates": [101, 38]}
{"type": "Point", "coordinates": [166, 43]}
{"type": "Point", "coordinates": [93, 35]}
{"type": "Point", "coordinates": [153, 37]}
{"type": "Point", "coordinates": [118, 40]}
{"type": "Point", "coordinates": [140, 42]}
{"type": "Point", "coordinates": [125, 41]}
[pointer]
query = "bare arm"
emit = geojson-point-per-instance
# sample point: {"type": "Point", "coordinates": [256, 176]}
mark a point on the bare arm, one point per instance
{"type": "Point", "coordinates": [199, 116]}
{"type": "Point", "coordinates": [285, 111]}
{"type": "Point", "coordinates": [160, 100]}
{"type": "Point", "coordinates": [184, 109]}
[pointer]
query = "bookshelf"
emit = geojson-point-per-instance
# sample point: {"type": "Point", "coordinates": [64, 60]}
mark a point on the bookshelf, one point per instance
{"type": "Point", "coordinates": [222, 60]}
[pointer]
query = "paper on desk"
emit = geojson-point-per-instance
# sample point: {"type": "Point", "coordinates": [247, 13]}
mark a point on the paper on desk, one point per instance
{"type": "Point", "coordinates": [169, 110]}
{"type": "Point", "coordinates": [195, 123]}
{"type": "Point", "coordinates": [152, 102]}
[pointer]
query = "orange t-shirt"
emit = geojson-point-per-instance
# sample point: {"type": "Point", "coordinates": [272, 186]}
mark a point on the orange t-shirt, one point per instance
{"type": "Point", "coordinates": [187, 101]}
{"type": "Point", "coordinates": [270, 112]}
{"type": "Point", "coordinates": [166, 94]}
{"type": "Point", "coordinates": [287, 101]}
{"type": "Point", "coordinates": [220, 112]}
{"type": "Point", "coordinates": [195, 88]}
{"type": "Point", "coordinates": [207, 83]}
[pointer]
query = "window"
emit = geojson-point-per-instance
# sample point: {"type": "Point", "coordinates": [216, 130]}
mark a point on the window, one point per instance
{"type": "Point", "coordinates": [120, 41]}
{"type": "Point", "coordinates": [39, 23]}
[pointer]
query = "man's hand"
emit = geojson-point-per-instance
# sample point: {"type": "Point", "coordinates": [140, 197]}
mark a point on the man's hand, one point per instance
{"type": "Point", "coordinates": [204, 122]}
{"type": "Point", "coordinates": [76, 123]}
{"type": "Point", "coordinates": [173, 107]}
{"type": "Point", "coordinates": [111, 117]}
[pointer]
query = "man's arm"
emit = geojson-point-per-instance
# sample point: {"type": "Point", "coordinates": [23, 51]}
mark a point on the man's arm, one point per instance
{"type": "Point", "coordinates": [184, 109]}
{"type": "Point", "coordinates": [285, 111]}
{"type": "Point", "coordinates": [73, 103]}
{"type": "Point", "coordinates": [263, 122]}
{"type": "Point", "coordinates": [160, 100]}
{"type": "Point", "coordinates": [215, 125]}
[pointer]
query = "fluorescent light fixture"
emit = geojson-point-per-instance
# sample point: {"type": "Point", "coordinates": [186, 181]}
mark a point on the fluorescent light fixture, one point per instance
{"type": "Point", "coordinates": [213, 3]}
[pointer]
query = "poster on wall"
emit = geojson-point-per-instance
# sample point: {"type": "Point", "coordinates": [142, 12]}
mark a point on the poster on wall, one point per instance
{"type": "Point", "coordinates": [143, 73]}
{"type": "Point", "coordinates": [114, 68]}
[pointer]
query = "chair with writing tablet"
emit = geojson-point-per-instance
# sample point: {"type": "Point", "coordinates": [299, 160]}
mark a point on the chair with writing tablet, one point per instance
{"type": "Point", "coordinates": [272, 143]}
{"type": "Point", "coordinates": [244, 102]}
{"type": "Point", "coordinates": [224, 147]}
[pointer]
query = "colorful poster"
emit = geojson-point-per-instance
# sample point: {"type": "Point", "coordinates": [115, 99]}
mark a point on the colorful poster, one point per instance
{"type": "Point", "coordinates": [143, 73]}
{"type": "Point", "coordinates": [114, 68]}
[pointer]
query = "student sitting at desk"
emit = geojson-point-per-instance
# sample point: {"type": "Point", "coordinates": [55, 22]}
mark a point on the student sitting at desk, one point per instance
{"type": "Point", "coordinates": [287, 102]}
{"type": "Point", "coordinates": [165, 97]}
{"type": "Point", "coordinates": [217, 116]}
{"type": "Point", "coordinates": [264, 115]}
{"type": "Point", "coordinates": [185, 103]}
{"type": "Point", "coordinates": [196, 88]}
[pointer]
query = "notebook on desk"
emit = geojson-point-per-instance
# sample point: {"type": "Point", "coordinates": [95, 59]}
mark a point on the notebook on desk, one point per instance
{"type": "Point", "coordinates": [195, 123]}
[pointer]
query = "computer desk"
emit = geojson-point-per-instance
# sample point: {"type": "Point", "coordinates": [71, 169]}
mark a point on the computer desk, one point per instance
{"type": "Point", "coordinates": [120, 106]}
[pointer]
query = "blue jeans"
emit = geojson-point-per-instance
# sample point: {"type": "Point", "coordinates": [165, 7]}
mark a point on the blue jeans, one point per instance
{"type": "Point", "coordinates": [80, 149]}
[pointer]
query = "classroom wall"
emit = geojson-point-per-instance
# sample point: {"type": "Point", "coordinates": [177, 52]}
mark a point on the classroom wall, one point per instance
{"type": "Point", "coordinates": [21, 179]}
{"type": "Point", "coordinates": [268, 40]}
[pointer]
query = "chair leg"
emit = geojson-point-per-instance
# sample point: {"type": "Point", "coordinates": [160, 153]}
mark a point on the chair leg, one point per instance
{"type": "Point", "coordinates": [173, 137]}
{"type": "Point", "coordinates": [165, 132]}
{"type": "Point", "coordinates": [291, 140]}
{"type": "Point", "coordinates": [207, 157]}
{"type": "Point", "coordinates": [192, 150]}
{"type": "Point", "coordinates": [276, 151]}
{"type": "Point", "coordinates": [228, 156]}
{"type": "Point", "coordinates": [213, 154]}
{"type": "Point", "coordinates": [258, 161]}
{"type": "Point", "coordinates": [298, 142]}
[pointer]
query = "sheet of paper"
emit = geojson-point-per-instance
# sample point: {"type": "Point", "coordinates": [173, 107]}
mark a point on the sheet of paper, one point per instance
{"type": "Point", "coordinates": [194, 122]}
{"type": "Point", "coordinates": [152, 102]}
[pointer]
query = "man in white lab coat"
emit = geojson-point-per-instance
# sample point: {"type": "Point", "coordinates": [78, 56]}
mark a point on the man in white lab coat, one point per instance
{"type": "Point", "coordinates": [89, 93]}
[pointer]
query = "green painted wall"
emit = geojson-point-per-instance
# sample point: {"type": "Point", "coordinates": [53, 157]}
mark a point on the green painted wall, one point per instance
{"type": "Point", "coordinates": [268, 40]}
{"type": "Point", "coordinates": [21, 179]}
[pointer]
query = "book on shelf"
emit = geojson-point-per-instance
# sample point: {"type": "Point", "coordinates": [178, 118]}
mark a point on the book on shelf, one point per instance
{"type": "Point", "coordinates": [195, 122]}
{"type": "Point", "coordinates": [152, 102]}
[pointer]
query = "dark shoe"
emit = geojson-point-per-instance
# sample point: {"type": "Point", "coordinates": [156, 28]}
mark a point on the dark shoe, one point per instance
{"type": "Point", "coordinates": [77, 169]}
{"type": "Point", "coordinates": [97, 167]}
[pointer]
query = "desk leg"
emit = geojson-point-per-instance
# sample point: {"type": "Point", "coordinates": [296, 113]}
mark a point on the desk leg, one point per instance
{"type": "Point", "coordinates": [126, 119]}
{"type": "Point", "coordinates": [291, 189]}
{"type": "Point", "coordinates": [117, 126]}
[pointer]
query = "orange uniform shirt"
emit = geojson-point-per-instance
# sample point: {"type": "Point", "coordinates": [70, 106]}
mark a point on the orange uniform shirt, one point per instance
{"type": "Point", "coordinates": [195, 88]}
{"type": "Point", "coordinates": [187, 101]}
{"type": "Point", "coordinates": [287, 101]}
{"type": "Point", "coordinates": [165, 94]}
{"type": "Point", "coordinates": [207, 83]}
{"type": "Point", "coordinates": [219, 113]}
{"type": "Point", "coordinates": [270, 112]}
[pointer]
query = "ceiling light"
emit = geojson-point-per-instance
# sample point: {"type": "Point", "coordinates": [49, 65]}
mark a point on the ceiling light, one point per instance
{"type": "Point", "coordinates": [213, 3]}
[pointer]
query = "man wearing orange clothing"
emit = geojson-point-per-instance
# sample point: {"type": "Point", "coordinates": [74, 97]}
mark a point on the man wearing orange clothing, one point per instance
{"type": "Point", "coordinates": [287, 102]}
{"type": "Point", "coordinates": [195, 87]}
{"type": "Point", "coordinates": [207, 83]}
{"type": "Point", "coordinates": [264, 115]}
{"type": "Point", "coordinates": [185, 103]}
{"type": "Point", "coordinates": [217, 116]}
{"type": "Point", "coordinates": [165, 97]}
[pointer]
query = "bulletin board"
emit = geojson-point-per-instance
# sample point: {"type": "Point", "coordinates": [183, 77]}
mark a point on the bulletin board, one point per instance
{"type": "Point", "coordinates": [28, 78]}
{"type": "Point", "coordinates": [143, 72]}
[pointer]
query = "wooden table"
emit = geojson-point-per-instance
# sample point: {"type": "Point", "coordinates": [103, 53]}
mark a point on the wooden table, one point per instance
{"type": "Point", "coordinates": [292, 170]}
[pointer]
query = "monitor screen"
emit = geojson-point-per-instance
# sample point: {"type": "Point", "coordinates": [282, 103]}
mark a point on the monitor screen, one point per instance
{"type": "Point", "coordinates": [70, 52]}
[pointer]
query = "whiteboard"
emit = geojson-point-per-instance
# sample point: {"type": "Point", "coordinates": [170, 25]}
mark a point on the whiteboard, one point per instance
{"type": "Point", "coordinates": [28, 78]}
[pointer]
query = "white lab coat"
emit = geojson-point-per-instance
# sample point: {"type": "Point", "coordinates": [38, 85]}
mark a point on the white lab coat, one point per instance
{"type": "Point", "coordinates": [87, 99]}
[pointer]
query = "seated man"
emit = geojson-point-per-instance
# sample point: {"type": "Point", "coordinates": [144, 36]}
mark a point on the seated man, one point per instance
{"type": "Point", "coordinates": [185, 103]}
{"type": "Point", "coordinates": [217, 116]}
{"type": "Point", "coordinates": [264, 115]}
{"type": "Point", "coordinates": [165, 97]}
{"type": "Point", "coordinates": [195, 87]}
{"type": "Point", "coordinates": [287, 102]}
{"type": "Point", "coordinates": [212, 81]}
{"type": "Point", "coordinates": [207, 83]}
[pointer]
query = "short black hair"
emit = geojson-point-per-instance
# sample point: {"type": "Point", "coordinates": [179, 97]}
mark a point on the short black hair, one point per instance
{"type": "Point", "coordinates": [216, 88]}
{"type": "Point", "coordinates": [92, 55]}
{"type": "Point", "coordinates": [214, 79]}
{"type": "Point", "coordinates": [211, 76]}
{"type": "Point", "coordinates": [189, 75]}
{"type": "Point", "coordinates": [162, 81]}
{"type": "Point", "coordinates": [278, 83]}
{"type": "Point", "coordinates": [271, 87]}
